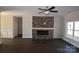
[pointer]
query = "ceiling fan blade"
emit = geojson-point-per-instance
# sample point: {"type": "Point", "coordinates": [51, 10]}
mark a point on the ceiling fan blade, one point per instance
{"type": "Point", "coordinates": [51, 8]}
{"type": "Point", "coordinates": [41, 9]}
{"type": "Point", "coordinates": [53, 11]}
{"type": "Point", "coordinates": [41, 12]}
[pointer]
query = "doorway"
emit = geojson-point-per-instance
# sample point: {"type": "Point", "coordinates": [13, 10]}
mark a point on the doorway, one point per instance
{"type": "Point", "coordinates": [17, 27]}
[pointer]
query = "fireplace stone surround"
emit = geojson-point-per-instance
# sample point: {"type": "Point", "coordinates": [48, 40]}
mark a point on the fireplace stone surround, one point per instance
{"type": "Point", "coordinates": [43, 27]}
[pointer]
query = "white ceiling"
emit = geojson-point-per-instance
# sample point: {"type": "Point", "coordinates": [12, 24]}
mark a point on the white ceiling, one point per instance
{"type": "Point", "coordinates": [34, 9]}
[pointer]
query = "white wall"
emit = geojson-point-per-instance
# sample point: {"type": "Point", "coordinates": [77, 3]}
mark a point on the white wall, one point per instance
{"type": "Point", "coordinates": [7, 24]}
{"type": "Point", "coordinates": [27, 26]}
{"type": "Point", "coordinates": [58, 21]}
{"type": "Point", "coordinates": [74, 16]}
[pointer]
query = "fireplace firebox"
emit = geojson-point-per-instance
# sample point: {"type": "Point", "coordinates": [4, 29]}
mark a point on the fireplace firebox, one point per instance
{"type": "Point", "coordinates": [42, 32]}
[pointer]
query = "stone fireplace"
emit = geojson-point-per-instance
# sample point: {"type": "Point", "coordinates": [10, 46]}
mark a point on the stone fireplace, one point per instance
{"type": "Point", "coordinates": [42, 27]}
{"type": "Point", "coordinates": [42, 34]}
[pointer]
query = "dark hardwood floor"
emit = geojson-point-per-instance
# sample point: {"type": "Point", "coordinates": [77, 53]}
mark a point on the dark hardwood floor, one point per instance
{"type": "Point", "coordinates": [19, 45]}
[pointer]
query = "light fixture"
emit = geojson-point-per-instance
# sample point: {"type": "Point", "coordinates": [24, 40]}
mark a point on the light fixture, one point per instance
{"type": "Point", "coordinates": [46, 12]}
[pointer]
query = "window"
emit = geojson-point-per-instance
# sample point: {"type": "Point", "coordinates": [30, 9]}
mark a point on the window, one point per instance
{"type": "Point", "coordinates": [73, 29]}
{"type": "Point", "coordinates": [70, 28]}
{"type": "Point", "coordinates": [76, 29]}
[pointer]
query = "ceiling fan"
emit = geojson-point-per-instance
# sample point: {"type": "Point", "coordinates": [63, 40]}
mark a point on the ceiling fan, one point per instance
{"type": "Point", "coordinates": [47, 10]}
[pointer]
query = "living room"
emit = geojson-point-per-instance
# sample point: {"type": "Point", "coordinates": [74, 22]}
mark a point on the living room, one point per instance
{"type": "Point", "coordinates": [40, 29]}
